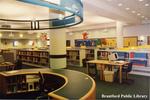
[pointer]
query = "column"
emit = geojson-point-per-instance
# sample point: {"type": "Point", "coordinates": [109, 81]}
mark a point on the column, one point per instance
{"type": "Point", "coordinates": [119, 31]}
{"type": "Point", "coordinates": [58, 48]}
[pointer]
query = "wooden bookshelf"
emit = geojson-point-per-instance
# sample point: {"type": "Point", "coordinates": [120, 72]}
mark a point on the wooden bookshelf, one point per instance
{"type": "Point", "coordinates": [34, 57]}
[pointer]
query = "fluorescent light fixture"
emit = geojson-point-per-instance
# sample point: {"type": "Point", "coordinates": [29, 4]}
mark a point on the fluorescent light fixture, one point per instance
{"type": "Point", "coordinates": [38, 36]}
{"type": "Point", "coordinates": [47, 42]}
{"type": "Point", "coordinates": [21, 35]}
{"type": "Point", "coordinates": [61, 17]}
{"type": "Point", "coordinates": [133, 11]}
{"type": "Point", "coordinates": [127, 8]}
{"type": "Point", "coordinates": [30, 42]}
{"type": "Point", "coordinates": [53, 1]}
{"type": "Point", "coordinates": [138, 14]}
{"type": "Point", "coordinates": [142, 38]}
{"type": "Point", "coordinates": [146, 4]}
{"type": "Point", "coordinates": [11, 35]}
{"type": "Point", "coordinates": [140, 0]}
{"type": "Point", "coordinates": [1, 35]}
{"type": "Point", "coordinates": [15, 43]}
{"type": "Point", "coordinates": [120, 4]}
{"type": "Point", "coordinates": [142, 16]}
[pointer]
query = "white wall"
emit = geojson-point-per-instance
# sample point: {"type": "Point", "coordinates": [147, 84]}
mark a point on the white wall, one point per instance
{"type": "Point", "coordinates": [135, 30]}
{"type": "Point", "coordinates": [142, 31]}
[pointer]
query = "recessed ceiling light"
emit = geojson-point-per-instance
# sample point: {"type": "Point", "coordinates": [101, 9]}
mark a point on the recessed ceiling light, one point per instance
{"type": "Point", "coordinates": [120, 4]}
{"type": "Point", "coordinates": [140, 0]}
{"type": "Point", "coordinates": [146, 4]}
{"type": "Point", "coordinates": [127, 8]}
{"type": "Point", "coordinates": [142, 16]}
{"type": "Point", "coordinates": [0, 34]}
{"type": "Point", "coordinates": [138, 14]}
{"type": "Point", "coordinates": [133, 11]}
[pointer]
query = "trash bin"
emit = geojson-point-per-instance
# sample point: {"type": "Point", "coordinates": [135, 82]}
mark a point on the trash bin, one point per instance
{"type": "Point", "coordinates": [109, 76]}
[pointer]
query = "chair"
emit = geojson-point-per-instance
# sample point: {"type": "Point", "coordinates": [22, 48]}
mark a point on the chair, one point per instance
{"type": "Point", "coordinates": [127, 69]}
{"type": "Point", "coordinates": [18, 64]}
{"type": "Point", "coordinates": [91, 68]}
{"type": "Point", "coordinates": [43, 91]}
{"type": "Point", "coordinates": [84, 62]}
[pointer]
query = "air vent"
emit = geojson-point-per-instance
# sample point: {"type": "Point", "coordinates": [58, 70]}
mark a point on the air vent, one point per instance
{"type": "Point", "coordinates": [5, 26]}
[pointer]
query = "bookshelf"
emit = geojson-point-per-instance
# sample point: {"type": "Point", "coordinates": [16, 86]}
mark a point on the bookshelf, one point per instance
{"type": "Point", "coordinates": [40, 58]}
{"type": "Point", "coordinates": [138, 58]}
{"type": "Point", "coordinates": [90, 54]}
{"type": "Point", "coordinates": [75, 56]}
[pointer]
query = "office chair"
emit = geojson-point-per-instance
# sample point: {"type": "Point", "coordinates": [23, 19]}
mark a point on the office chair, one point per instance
{"type": "Point", "coordinates": [84, 62]}
{"type": "Point", "coordinates": [127, 69]}
{"type": "Point", "coordinates": [18, 64]}
{"type": "Point", "coordinates": [92, 67]}
{"type": "Point", "coordinates": [43, 91]}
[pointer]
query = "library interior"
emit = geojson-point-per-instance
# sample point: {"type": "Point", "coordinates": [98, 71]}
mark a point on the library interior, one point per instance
{"type": "Point", "coordinates": [75, 49]}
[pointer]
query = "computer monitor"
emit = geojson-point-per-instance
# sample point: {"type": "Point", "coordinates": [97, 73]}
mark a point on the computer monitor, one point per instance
{"type": "Point", "coordinates": [113, 57]}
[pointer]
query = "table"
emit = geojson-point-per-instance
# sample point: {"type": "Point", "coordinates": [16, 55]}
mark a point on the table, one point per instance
{"type": "Point", "coordinates": [5, 66]}
{"type": "Point", "coordinates": [102, 63]}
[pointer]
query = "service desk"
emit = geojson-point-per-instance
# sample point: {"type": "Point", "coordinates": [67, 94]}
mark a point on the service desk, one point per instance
{"type": "Point", "coordinates": [76, 85]}
{"type": "Point", "coordinates": [6, 66]}
{"type": "Point", "coordinates": [101, 64]}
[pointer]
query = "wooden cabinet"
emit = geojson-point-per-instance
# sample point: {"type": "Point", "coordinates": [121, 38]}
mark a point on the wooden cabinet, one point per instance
{"type": "Point", "coordinates": [19, 84]}
{"type": "Point", "coordinates": [40, 58]}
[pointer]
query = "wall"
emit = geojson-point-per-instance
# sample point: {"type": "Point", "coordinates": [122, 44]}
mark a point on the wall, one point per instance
{"type": "Point", "coordinates": [6, 41]}
{"type": "Point", "coordinates": [142, 31]}
{"type": "Point", "coordinates": [22, 43]}
{"type": "Point", "coordinates": [101, 33]}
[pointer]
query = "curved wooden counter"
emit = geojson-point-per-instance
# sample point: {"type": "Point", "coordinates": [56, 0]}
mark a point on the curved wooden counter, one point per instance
{"type": "Point", "coordinates": [77, 85]}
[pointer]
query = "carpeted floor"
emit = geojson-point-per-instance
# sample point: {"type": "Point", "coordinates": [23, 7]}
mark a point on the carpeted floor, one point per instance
{"type": "Point", "coordinates": [139, 89]}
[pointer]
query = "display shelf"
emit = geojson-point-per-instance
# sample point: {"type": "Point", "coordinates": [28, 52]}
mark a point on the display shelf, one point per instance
{"type": "Point", "coordinates": [34, 57]}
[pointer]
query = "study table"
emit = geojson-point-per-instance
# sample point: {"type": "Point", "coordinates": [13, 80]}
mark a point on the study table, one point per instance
{"type": "Point", "coordinates": [102, 63]}
{"type": "Point", "coordinates": [64, 84]}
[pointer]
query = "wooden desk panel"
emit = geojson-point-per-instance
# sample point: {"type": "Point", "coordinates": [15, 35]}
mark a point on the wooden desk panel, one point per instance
{"type": "Point", "coordinates": [6, 66]}
{"type": "Point", "coordinates": [78, 85]}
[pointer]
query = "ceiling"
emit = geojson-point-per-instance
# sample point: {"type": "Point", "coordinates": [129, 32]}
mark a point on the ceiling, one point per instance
{"type": "Point", "coordinates": [128, 11]}
{"type": "Point", "coordinates": [96, 12]}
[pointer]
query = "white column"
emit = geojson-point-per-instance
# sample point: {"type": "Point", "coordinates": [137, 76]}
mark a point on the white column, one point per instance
{"type": "Point", "coordinates": [119, 30]}
{"type": "Point", "coordinates": [57, 48]}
